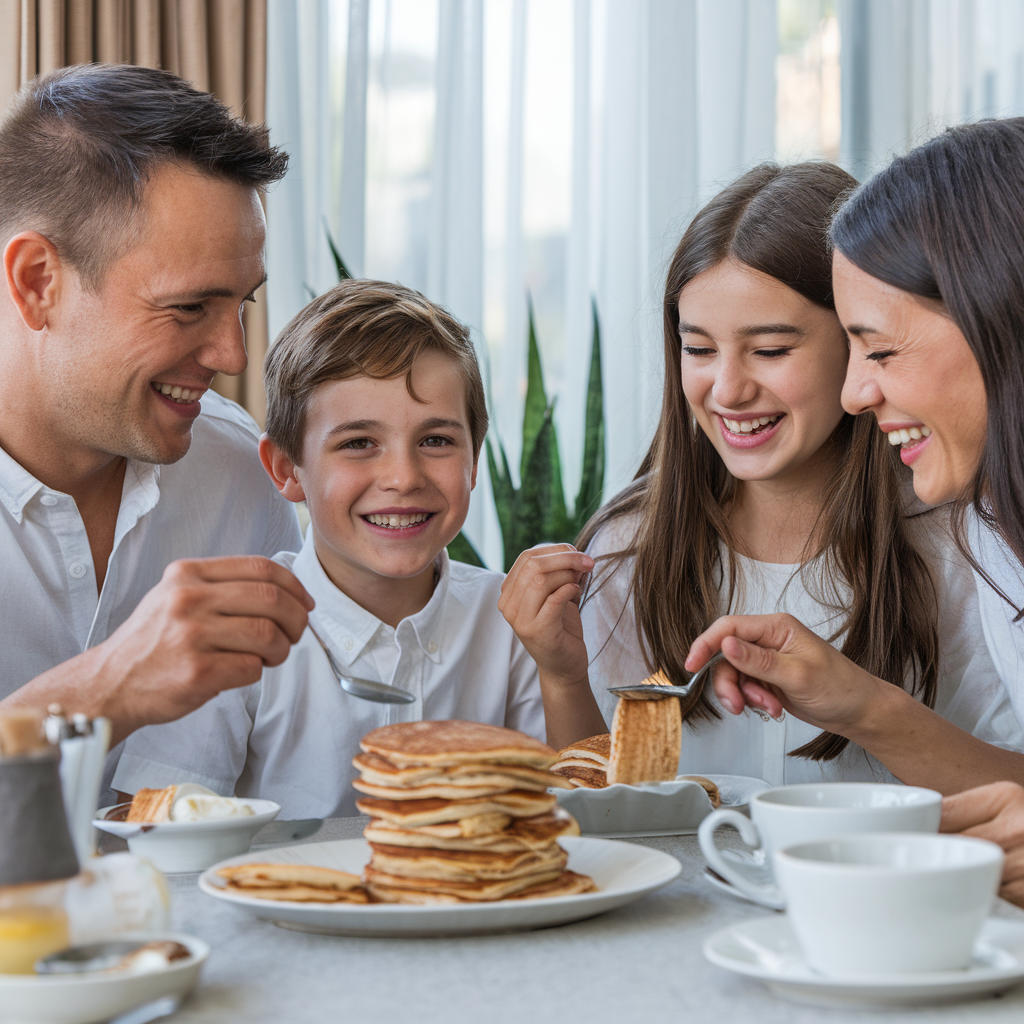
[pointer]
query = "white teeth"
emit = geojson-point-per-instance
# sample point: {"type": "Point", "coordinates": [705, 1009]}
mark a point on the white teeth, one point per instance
{"type": "Point", "coordinates": [177, 393]}
{"type": "Point", "coordinates": [397, 522]}
{"type": "Point", "coordinates": [748, 426]}
{"type": "Point", "coordinates": [907, 434]}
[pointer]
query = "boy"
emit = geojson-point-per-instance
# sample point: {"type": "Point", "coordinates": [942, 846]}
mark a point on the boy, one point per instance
{"type": "Point", "coordinates": [375, 418]}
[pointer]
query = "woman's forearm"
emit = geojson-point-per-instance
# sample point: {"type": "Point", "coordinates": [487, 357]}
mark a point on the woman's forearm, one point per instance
{"type": "Point", "coordinates": [921, 748]}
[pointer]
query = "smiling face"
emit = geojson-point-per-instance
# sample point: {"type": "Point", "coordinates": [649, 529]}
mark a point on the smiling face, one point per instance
{"type": "Point", "coordinates": [144, 347]}
{"type": "Point", "coordinates": [762, 368]}
{"type": "Point", "coordinates": [911, 366]}
{"type": "Point", "coordinates": [387, 478]}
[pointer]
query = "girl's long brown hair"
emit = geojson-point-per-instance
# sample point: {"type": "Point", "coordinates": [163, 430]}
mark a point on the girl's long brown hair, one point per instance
{"type": "Point", "coordinates": [775, 220]}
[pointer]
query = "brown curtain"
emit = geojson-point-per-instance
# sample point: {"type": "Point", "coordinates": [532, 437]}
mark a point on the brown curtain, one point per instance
{"type": "Point", "coordinates": [218, 45]}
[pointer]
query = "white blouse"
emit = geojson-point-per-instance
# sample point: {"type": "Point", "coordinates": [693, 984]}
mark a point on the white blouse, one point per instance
{"type": "Point", "coordinates": [970, 693]}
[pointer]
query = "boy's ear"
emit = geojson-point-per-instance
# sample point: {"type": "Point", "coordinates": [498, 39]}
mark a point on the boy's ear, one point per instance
{"type": "Point", "coordinates": [281, 470]}
{"type": "Point", "coordinates": [472, 479]}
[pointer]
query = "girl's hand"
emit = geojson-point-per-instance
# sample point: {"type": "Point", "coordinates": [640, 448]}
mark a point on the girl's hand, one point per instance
{"type": "Point", "coordinates": [776, 664]}
{"type": "Point", "coordinates": [994, 812]}
{"type": "Point", "coordinates": [540, 601]}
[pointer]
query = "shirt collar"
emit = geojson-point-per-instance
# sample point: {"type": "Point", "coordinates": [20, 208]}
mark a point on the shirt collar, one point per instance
{"type": "Point", "coordinates": [140, 493]}
{"type": "Point", "coordinates": [346, 627]}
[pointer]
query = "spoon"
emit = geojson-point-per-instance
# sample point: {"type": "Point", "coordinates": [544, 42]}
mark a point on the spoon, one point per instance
{"type": "Point", "coordinates": [645, 691]}
{"type": "Point", "coordinates": [368, 689]}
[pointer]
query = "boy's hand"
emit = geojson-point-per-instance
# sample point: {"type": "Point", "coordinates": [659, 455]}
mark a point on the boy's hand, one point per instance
{"type": "Point", "coordinates": [540, 601]}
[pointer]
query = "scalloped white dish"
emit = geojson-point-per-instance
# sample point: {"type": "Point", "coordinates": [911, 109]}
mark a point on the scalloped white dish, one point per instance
{"type": "Point", "coordinates": [655, 809]}
{"type": "Point", "coordinates": [100, 995]}
{"type": "Point", "coordinates": [180, 846]}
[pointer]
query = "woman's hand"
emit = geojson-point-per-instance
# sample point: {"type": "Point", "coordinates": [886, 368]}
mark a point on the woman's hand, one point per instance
{"type": "Point", "coordinates": [540, 601]}
{"type": "Point", "coordinates": [994, 812]}
{"type": "Point", "coordinates": [776, 664]}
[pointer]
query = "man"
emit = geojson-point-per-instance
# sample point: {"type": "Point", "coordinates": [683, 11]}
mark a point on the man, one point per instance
{"type": "Point", "coordinates": [132, 232]}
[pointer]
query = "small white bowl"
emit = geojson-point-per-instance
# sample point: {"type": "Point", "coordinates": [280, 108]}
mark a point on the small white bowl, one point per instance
{"type": "Point", "coordinates": [180, 846]}
{"type": "Point", "coordinates": [654, 808]}
{"type": "Point", "coordinates": [100, 995]}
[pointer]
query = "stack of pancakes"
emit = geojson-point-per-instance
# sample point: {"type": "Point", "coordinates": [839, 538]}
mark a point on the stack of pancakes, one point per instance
{"type": "Point", "coordinates": [460, 813]}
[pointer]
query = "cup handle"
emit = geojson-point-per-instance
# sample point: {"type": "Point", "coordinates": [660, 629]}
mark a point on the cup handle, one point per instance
{"type": "Point", "coordinates": [731, 871]}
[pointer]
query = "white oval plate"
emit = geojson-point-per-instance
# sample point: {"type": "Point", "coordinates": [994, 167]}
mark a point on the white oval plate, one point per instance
{"type": "Point", "coordinates": [179, 846]}
{"type": "Point", "coordinates": [622, 872]}
{"type": "Point", "coordinates": [86, 998]}
{"type": "Point", "coordinates": [655, 809]}
{"type": "Point", "coordinates": [767, 949]}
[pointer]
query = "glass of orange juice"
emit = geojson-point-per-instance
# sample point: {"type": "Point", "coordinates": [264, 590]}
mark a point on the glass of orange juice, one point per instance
{"type": "Point", "coordinates": [33, 924]}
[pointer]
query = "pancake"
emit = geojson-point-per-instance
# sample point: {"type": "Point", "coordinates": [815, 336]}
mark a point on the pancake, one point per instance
{"type": "Point", "coordinates": [451, 743]}
{"type": "Point", "coordinates": [523, 834]}
{"type": "Point", "coordinates": [305, 894]}
{"type": "Point", "coordinates": [275, 875]}
{"type": "Point", "coordinates": [578, 762]}
{"type": "Point", "coordinates": [378, 882]}
{"type": "Point", "coordinates": [152, 805]}
{"type": "Point", "coordinates": [379, 771]}
{"type": "Point", "coordinates": [584, 778]}
{"type": "Point", "coordinates": [442, 790]}
{"type": "Point", "coordinates": [647, 736]}
{"type": "Point", "coordinates": [709, 787]}
{"type": "Point", "coordinates": [593, 748]}
{"type": "Point", "coordinates": [463, 865]}
{"type": "Point", "coordinates": [516, 803]}
{"type": "Point", "coordinates": [568, 883]}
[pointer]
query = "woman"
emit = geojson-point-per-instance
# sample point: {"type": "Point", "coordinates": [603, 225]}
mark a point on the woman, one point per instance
{"type": "Point", "coordinates": [930, 289]}
{"type": "Point", "coordinates": [760, 494]}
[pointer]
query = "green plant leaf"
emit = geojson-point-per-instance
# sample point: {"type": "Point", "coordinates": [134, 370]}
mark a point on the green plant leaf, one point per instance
{"type": "Point", "coordinates": [592, 479]}
{"type": "Point", "coordinates": [344, 274]}
{"type": "Point", "coordinates": [505, 495]}
{"type": "Point", "coordinates": [533, 507]}
{"type": "Point", "coordinates": [536, 406]}
{"type": "Point", "coordinates": [462, 550]}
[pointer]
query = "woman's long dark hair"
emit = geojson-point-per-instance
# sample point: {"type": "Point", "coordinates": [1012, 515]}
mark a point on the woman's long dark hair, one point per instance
{"type": "Point", "coordinates": [946, 222]}
{"type": "Point", "coordinates": [775, 220]}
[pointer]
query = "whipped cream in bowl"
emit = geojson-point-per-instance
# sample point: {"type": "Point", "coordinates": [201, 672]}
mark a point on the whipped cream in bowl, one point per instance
{"type": "Point", "coordinates": [201, 828]}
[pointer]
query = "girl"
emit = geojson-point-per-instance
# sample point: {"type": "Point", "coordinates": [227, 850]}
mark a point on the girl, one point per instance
{"type": "Point", "coordinates": [760, 494]}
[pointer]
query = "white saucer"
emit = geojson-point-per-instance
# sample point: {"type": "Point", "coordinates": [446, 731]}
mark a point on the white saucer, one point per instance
{"type": "Point", "coordinates": [724, 885]}
{"type": "Point", "coordinates": [98, 996]}
{"type": "Point", "coordinates": [767, 949]}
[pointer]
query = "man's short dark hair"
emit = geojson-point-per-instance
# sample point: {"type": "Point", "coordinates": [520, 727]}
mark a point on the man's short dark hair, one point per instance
{"type": "Point", "coordinates": [77, 147]}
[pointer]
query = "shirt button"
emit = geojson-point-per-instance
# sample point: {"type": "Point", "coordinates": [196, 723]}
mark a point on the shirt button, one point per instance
{"type": "Point", "coordinates": [48, 499]}
{"type": "Point", "coordinates": [432, 647]}
{"type": "Point", "coordinates": [77, 570]}
{"type": "Point", "coordinates": [348, 645]}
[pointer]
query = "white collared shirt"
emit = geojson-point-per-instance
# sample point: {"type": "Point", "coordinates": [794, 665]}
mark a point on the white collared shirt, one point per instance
{"type": "Point", "coordinates": [970, 693]}
{"type": "Point", "coordinates": [291, 737]}
{"type": "Point", "coordinates": [215, 501]}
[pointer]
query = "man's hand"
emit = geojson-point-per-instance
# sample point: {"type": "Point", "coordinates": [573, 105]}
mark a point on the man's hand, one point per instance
{"type": "Point", "coordinates": [209, 625]}
{"type": "Point", "coordinates": [776, 664]}
{"type": "Point", "coordinates": [994, 812]}
{"type": "Point", "coordinates": [540, 600]}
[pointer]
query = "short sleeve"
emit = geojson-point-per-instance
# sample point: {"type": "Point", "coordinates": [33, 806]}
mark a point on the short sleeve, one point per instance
{"type": "Point", "coordinates": [207, 747]}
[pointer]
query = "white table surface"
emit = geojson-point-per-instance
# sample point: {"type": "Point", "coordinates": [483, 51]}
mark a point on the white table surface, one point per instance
{"type": "Point", "coordinates": [642, 962]}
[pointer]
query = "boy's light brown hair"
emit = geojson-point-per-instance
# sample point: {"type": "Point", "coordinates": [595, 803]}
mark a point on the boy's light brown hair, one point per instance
{"type": "Point", "coordinates": [362, 328]}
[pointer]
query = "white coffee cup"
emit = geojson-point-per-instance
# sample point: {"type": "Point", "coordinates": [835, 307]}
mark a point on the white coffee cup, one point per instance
{"type": "Point", "coordinates": [888, 903]}
{"type": "Point", "coordinates": [803, 813]}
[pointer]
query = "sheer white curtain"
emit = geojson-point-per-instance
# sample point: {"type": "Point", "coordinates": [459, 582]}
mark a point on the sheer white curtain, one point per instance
{"type": "Point", "coordinates": [486, 151]}
{"type": "Point", "coordinates": [911, 68]}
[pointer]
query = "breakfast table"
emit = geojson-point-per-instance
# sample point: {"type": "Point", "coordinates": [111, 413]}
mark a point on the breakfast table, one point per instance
{"type": "Point", "coordinates": [640, 962]}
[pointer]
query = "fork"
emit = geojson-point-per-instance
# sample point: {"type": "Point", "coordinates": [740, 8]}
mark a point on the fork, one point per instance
{"type": "Point", "coordinates": [645, 691]}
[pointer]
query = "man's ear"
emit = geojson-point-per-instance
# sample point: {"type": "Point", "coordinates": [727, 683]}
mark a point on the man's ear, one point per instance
{"type": "Point", "coordinates": [281, 470]}
{"type": "Point", "coordinates": [33, 270]}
